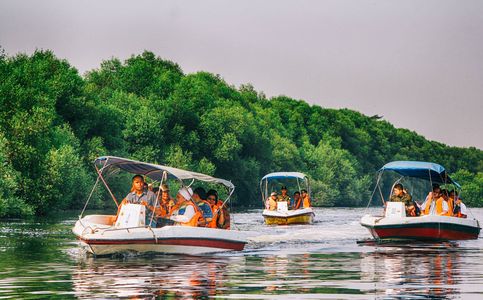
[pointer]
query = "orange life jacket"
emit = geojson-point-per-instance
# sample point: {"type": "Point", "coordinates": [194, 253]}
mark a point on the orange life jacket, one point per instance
{"type": "Point", "coordinates": [162, 210]}
{"type": "Point", "coordinates": [193, 222]}
{"type": "Point", "coordinates": [427, 208]}
{"type": "Point", "coordinates": [205, 220]}
{"type": "Point", "coordinates": [307, 202]}
{"type": "Point", "coordinates": [212, 223]}
{"type": "Point", "coordinates": [439, 207]}
{"type": "Point", "coordinates": [450, 207]}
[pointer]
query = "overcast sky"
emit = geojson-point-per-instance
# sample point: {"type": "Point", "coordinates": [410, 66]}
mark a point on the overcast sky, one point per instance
{"type": "Point", "coordinates": [417, 63]}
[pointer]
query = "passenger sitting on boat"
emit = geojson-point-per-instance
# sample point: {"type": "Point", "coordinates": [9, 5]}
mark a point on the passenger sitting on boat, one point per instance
{"type": "Point", "coordinates": [212, 198]}
{"type": "Point", "coordinates": [428, 201]}
{"type": "Point", "coordinates": [166, 204]}
{"type": "Point", "coordinates": [306, 202]}
{"type": "Point", "coordinates": [296, 201]}
{"type": "Point", "coordinates": [186, 213]}
{"type": "Point", "coordinates": [221, 216]}
{"type": "Point", "coordinates": [199, 195]}
{"type": "Point", "coordinates": [271, 202]}
{"type": "Point", "coordinates": [399, 194]}
{"type": "Point", "coordinates": [284, 196]}
{"type": "Point", "coordinates": [449, 201]}
{"type": "Point", "coordinates": [435, 204]}
{"type": "Point", "coordinates": [459, 209]}
{"type": "Point", "coordinates": [138, 195]}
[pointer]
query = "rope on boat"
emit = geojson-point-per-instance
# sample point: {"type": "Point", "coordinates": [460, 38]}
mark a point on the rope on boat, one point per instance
{"type": "Point", "coordinates": [154, 235]}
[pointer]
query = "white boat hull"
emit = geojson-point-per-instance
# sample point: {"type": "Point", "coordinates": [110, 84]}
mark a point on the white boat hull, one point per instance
{"type": "Point", "coordinates": [100, 238]}
{"type": "Point", "coordinates": [429, 227]}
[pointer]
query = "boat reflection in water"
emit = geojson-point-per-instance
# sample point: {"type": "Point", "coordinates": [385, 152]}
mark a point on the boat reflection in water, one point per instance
{"type": "Point", "coordinates": [298, 275]}
{"type": "Point", "coordinates": [171, 276]}
{"type": "Point", "coordinates": [414, 272]}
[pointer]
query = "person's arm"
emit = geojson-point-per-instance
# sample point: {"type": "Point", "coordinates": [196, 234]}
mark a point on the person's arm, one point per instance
{"type": "Point", "coordinates": [186, 217]}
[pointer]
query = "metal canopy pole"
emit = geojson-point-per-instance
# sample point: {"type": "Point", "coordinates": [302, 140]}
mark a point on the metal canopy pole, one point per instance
{"type": "Point", "coordinates": [99, 172]}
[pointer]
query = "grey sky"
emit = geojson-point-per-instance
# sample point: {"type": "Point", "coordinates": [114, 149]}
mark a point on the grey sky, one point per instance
{"type": "Point", "coordinates": [417, 63]}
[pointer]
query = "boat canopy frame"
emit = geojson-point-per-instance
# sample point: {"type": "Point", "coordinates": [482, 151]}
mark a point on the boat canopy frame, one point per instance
{"type": "Point", "coordinates": [432, 172]}
{"type": "Point", "coordinates": [283, 175]}
{"type": "Point", "coordinates": [108, 164]}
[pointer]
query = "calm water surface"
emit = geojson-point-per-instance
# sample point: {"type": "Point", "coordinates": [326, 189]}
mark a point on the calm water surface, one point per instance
{"type": "Point", "coordinates": [322, 261]}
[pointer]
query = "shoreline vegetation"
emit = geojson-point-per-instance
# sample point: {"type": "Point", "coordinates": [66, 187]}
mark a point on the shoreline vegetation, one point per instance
{"type": "Point", "coordinates": [55, 122]}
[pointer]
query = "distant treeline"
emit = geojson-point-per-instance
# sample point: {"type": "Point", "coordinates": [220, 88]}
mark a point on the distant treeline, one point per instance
{"type": "Point", "coordinates": [55, 122]}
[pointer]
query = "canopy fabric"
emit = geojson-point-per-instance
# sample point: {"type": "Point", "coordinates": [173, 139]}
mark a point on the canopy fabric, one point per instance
{"type": "Point", "coordinates": [281, 175]}
{"type": "Point", "coordinates": [418, 169]}
{"type": "Point", "coordinates": [154, 171]}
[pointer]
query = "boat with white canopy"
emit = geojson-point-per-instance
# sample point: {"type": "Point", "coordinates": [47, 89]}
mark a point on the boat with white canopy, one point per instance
{"type": "Point", "coordinates": [396, 225]}
{"type": "Point", "coordinates": [284, 214]}
{"type": "Point", "coordinates": [127, 232]}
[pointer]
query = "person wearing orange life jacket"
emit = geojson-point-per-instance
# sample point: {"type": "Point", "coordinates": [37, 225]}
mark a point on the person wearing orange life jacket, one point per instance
{"type": "Point", "coordinates": [449, 202]}
{"type": "Point", "coordinates": [306, 202]}
{"type": "Point", "coordinates": [435, 203]}
{"type": "Point", "coordinates": [166, 205]}
{"type": "Point", "coordinates": [221, 215]}
{"type": "Point", "coordinates": [199, 196]}
{"type": "Point", "coordinates": [186, 212]}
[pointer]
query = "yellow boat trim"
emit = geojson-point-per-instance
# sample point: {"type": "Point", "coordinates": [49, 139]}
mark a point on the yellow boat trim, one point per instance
{"type": "Point", "coordinates": [301, 219]}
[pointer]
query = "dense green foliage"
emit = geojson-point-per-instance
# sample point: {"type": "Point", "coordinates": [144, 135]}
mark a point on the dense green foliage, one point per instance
{"type": "Point", "coordinates": [53, 123]}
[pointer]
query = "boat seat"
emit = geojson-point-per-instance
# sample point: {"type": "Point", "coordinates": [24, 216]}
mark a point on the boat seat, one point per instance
{"type": "Point", "coordinates": [282, 206]}
{"type": "Point", "coordinates": [395, 210]}
{"type": "Point", "coordinates": [131, 215]}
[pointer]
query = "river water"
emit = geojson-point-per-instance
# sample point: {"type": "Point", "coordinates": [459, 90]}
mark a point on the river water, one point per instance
{"type": "Point", "coordinates": [42, 259]}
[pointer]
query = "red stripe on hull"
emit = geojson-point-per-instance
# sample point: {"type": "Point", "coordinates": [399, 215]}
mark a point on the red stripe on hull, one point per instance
{"type": "Point", "coordinates": [422, 233]}
{"type": "Point", "coordinates": [238, 246]}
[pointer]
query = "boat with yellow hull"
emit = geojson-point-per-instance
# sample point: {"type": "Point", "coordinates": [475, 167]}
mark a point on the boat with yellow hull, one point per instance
{"type": "Point", "coordinates": [299, 216]}
{"type": "Point", "coordinates": [284, 212]}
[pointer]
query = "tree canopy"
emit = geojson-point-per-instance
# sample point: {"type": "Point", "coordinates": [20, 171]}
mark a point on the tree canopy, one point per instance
{"type": "Point", "coordinates": [54, 122]}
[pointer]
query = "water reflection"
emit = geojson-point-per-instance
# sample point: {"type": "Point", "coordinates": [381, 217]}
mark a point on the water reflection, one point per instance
{"type": "Point", "coordinates": [424, 271]}
{"type": "Point", "coordinates": [206, 276]}
{"type": "Point", "coordinates": [320, 261]}
{"type": "Point", "coordinates": [180, 276]}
